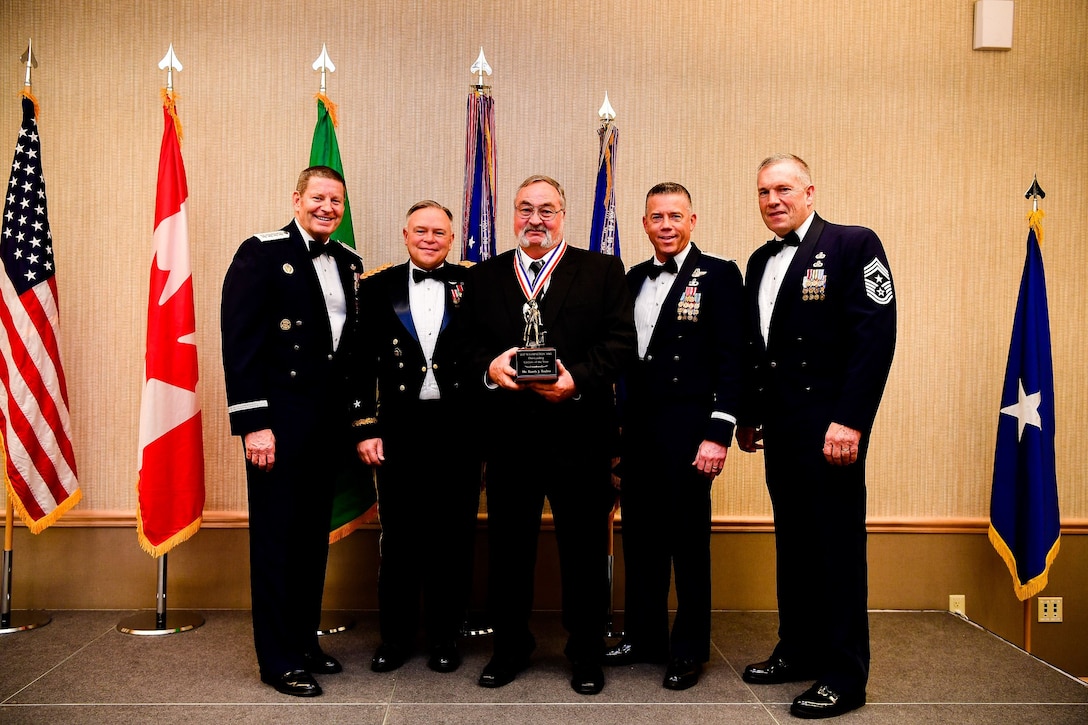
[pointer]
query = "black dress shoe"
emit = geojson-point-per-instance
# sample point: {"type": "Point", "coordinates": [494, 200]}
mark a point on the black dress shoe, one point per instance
{"type": "Point", "coordinates": [299, 683]}
{"type": "Point", "coordinates": [626, 653]}
{"type": "Point", "coordinates": [587, 678]}
{"type": "Point", "coordinates": [444, 657]}
{"type": "Point", "coordinates": [321, 663]}
{"type": "Point", "coordinates": [388, 657]}
{"type": "Point", "coordinates": [775, 671]}
{"type": "Point", "coordinates": [821, 701]}
{"type": "Point", "coordinates": [681, 674]}
{"type": "Point", "coordinates": [501, 671]}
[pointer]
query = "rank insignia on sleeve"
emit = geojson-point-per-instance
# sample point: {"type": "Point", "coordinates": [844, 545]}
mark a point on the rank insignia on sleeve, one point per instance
{"type": "Point", "coordinates": [878, 282]}
{"type": "Point", "coordinates": [814, 285]}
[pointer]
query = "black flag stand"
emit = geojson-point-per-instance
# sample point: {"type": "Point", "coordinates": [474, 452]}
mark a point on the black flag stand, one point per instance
{"type": "Point", "coordinates": [22, 620]}
{"type": "Point", "coordinates": [160, 621]}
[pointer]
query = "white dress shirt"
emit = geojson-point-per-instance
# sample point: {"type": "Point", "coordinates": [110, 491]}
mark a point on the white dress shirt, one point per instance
{"type": "Point", "coordinates": [427, 301]}
{"type": "Point", "coordinates": [650, 297]}
{"type": "Point", "coordinates": [771, 283]}
{"type": "Point", "coordinates": [329, 276]}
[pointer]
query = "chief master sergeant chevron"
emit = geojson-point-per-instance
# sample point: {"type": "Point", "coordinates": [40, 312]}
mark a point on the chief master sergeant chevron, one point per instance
{"type": "Point", "coordinates": [290, 317]}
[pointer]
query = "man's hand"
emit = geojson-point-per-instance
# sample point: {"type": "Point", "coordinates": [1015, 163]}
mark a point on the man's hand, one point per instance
{"type": "Point", "coordinates": [559, 390]}
{"type": "Point", "coordinates": [371, 451]}
{"type": "Point", "coordinates": [841, 445]}
{"type": "Point", "coordinates": [710, 458]}
{"type": "Point", "coordinates": [261, 449]}
{"type": "Point", "coordinates": [749, 439]}
{"type": "Point", "coordinates": [502, 372]}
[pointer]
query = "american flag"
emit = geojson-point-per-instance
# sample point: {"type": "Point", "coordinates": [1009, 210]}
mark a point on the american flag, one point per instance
{"type": "Point", "coordinates": [39, 463]}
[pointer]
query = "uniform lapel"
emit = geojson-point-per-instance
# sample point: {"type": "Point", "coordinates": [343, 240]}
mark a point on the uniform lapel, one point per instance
{"type": "Point", "coordinates": [789, 294]}
{"type": "Point", "coordinates": [667, 317]}
{"type": "Point", "coordinates": [398, 296]}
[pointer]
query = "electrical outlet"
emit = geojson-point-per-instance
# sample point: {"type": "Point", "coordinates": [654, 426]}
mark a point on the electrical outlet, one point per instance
{"type": "Point", "coordinates": [957, 604]}
{"type": "Point", "coordinates": [1050, 609]}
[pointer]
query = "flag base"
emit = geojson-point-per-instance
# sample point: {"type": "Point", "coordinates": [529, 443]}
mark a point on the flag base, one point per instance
{"type": "Point", "coordinates": [22, 620]}
{"type": "Point", "coordinates": [334, 623]}
{"type": "Point", "coordinates": [149, 623]}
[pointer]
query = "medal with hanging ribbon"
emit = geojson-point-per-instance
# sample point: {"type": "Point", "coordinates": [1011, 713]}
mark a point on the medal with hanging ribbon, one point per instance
{"type": "Point", "coordinates": [533, 361]}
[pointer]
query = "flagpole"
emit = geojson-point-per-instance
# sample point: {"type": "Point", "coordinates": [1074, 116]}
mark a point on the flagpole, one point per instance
{"type": "Point", "coordinates": [148, 623]}
{"type": "Point", "coordinates": [20, 621]}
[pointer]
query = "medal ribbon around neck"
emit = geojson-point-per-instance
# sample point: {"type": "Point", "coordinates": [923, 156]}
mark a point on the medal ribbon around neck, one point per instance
{"type": "Point", "coordinates": [532, 289]}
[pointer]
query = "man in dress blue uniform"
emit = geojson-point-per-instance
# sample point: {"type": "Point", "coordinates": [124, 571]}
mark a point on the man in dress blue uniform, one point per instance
{"type": "Point", "coordinates": [821, 314]}
{"type": "Point", "coordinates": [549, 439]}
{"type": "Point", "coordinates": [290, 323]}
{"type": "Point", "coordinates": [679, 407]}
{"type": "Point", "coordinates": [417, 435]}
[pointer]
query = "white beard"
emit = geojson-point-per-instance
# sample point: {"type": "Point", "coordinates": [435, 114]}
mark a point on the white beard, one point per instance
{"type": "Point", "coordinates": [548, 242]}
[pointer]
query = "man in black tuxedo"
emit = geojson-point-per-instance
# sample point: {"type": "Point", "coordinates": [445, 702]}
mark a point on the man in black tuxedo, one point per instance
{"type": "Point", "coordinates": [549, 439]}
{"type": "Point", "coordinates": [417, 436]}
{"type": "Point", "coordinates": [289, 320]}
{"type": "Point", "coordinates": [821, 316]}
{"type": "Point", "coordinates": [679, 403]}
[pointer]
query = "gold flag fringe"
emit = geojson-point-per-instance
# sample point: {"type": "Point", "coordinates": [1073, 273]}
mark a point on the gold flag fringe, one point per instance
{"type": "Point", "coordinates": [365, 518]}
{"type": "Point", "coordinates": [27, 94]}
{"type": "Point", "coordinates": [169, 102]}
{"type": "Point", "coordinates": [1035, 221]}
{"type": "Point", "coordinates": [157, 551]}
{"type": "Point", "coordinates": [330, 107]}
{"type": "Point", "coordinates": [36, 527]}
{"type": "Point", "coordinates": [1033, 586]}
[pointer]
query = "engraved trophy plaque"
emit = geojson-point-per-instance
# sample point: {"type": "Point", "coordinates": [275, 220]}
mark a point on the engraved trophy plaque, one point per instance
{"type": "Point", "coordinates": [534, 362]}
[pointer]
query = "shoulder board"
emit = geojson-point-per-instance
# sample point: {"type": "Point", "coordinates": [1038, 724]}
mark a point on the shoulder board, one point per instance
{"type": "Point", "coordinates": [375, 270]}
{"type": "Point", "coordinates": [353, 250]}
{"type": "Point", "coordinates": [272, 236]}
{"type": "Point", "coordinates": [720, 259]}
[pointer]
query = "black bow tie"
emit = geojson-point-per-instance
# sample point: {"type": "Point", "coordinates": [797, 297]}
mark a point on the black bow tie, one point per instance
{"type": "Point", "coordinates": [318, 248]}
{"type": "Point", "coordinates": [442, 274]}
{"type": "Point", "coordinates": [790, 240]}
{"type": "Point", "coordinates": [657, 269]}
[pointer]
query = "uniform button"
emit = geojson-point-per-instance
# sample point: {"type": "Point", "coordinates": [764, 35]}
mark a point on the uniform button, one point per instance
{"type": "Point", "coordinates": [330, 356]}
{"type": "Point", "coordinates": [676, 380]}
{"type": "Point", "coordinates": [434, 366]}
{"type": "Point", "coordinates": [773, 364]}
{"type": "Point", "coordinates": [649, 358]}
{"type": "Point", "coordinates": [297, 348]}
{"type": "Point", "coordinates": [808, 388]}
{"type": "Point", "coordinates": [400, 365]}
{"type": "Point", "coordinates": [402, 388]}
{"type": "Point", "coordinates": [676, 358]}
{"type": "Point", "coordinates": [804, 364]}
{"type": "Point", "coordinates": [423, 369]}
{"type": "Point", "coordinates": [294, 374]}
{"type": "Point", "coordinates": [456, 386]}
{"type": "Point", "coordinates": [396, 341]}
{"type": "Point", "coordinates": [298, 323]}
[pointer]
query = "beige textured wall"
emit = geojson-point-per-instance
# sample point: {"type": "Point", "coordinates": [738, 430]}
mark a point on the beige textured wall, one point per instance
{"type": "Point", "coordinates": [907, 130]}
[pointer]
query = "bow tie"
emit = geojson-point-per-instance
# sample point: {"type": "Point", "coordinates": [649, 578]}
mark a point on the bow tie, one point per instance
{"type": "Point", "coordinates": [318, 248]}
{"type": "Point", "coordinates": [657, 269]}
{"type": "Point", "coordinates": [442, 274]}
{"type": "Point", "coordinates": [790, 240]}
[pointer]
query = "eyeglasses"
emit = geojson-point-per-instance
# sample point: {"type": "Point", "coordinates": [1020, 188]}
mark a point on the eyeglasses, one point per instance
{"type": "Point", "coordinates": [545, 213]}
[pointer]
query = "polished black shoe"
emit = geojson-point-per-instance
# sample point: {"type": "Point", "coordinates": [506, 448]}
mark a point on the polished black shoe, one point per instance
{"type": "Point", "coordinates": [680, 674]}
{"type": "Point", "coordinates": [299, 683]}
{"type": "Point", "coordinates": [444, 657]}
{"type": "Point", "coordinates": [501, 671]}
{"type": "Point", "coordinates": [587, 678]}
{"type": "Point", "coordinates": [775, 671]}
{"type": "Point", "coordinates": [388, 657]}
{"type": "Point", "coordinates": [820, 701]}
{"type": "Point", "coordinates": [321, 663]}
{"type": "Point", "coordinates": [626, 653]}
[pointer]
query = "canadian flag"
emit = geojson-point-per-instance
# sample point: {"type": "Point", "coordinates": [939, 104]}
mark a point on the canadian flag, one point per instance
{"type": "Point", "coordinates": [171, 460]}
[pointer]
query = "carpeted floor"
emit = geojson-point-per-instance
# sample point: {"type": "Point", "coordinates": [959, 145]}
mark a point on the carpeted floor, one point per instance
{"type": "Point", "coordinates": [928, 667]}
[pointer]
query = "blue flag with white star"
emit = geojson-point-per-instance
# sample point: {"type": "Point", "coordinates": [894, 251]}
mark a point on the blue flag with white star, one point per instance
{"type": "Point", "coordinates": [1024, 522]}
{"type": "Point", "coordinates": [604, 233]}
{"type": "Point", "coordinates": [478, 221]}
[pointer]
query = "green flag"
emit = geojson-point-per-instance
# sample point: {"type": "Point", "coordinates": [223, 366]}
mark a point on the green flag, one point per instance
{"type": "Point", "coordinates": [325, 151]}
{"type": "Point", "coordinates": [354, 494]}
